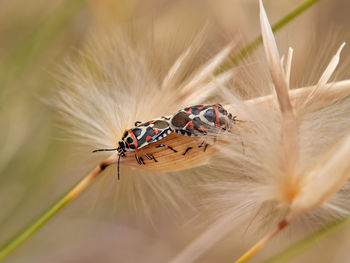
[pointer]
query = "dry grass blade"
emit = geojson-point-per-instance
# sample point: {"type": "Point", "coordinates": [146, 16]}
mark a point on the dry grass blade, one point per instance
{"type": "Point", "coordinates": [325, 76]}
{"type": "Point", "coordinates": [274, 62]}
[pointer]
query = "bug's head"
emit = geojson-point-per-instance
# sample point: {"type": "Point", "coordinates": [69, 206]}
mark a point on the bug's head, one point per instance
{"type": "Point", "coordinates": [128, 141]}
{"type": "Point", "coordinates": [122, 148]}
{"type": "Point", "coordinates": [229, 119]}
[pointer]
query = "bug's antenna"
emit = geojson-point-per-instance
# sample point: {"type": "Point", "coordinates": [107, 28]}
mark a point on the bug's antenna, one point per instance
{"type": "Point", "coordinates": [112, 149]}
{"type": "Point", "coordinates": [105, 150]}
{"type": "Point", "coordinates": [118, 165]}
{"type": "Point", "coordinates": [234, 119]}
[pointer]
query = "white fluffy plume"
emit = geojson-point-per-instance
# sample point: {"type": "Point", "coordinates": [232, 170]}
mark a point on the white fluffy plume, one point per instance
{"type": "Point", "coordinates": [295, 157]}
{"type": "Point", "coordinates": [114, 83]}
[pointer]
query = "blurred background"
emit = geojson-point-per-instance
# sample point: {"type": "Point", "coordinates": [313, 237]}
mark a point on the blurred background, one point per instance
{"type": "Point", "coordinates": [37, 166]}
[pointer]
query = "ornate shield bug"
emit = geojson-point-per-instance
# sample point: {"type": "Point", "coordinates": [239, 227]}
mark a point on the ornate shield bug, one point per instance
{"type": "Point", "coordinates": [201, 120]}
{"type": "Point", "coordinates": [143, 134]}
{"type": "Point", "coordinates": [140, 136]}
{"type": "Point", "coordinates": [191, 121]}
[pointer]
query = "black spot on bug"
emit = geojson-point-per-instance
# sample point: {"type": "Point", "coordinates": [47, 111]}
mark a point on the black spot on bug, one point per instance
{"type": "Point", "coordinates": [180, 119]}
{"type": "Point", "coordinates": [196, 111]}
{"type": "Point", "coordinates": [210, 115]}
{"type": "Point", "coordinates": [125, 134]}
{"type": "Point", "coordinates": [137, 132]}
{"type": "Point", "coordinates": [129, 140]}
{"type": "Point", "coordinates": [142, 140]}
{"type": "Point", "coordinates": [197, 122]}
{"type": "Point", "coordinates": [149, 132]}
{"type": "Point", "coordinates": [132, 146]}
{"type": "Point", "coordinates": [192, 107]}
{"type": "Point", "coordinates": [183, 132]}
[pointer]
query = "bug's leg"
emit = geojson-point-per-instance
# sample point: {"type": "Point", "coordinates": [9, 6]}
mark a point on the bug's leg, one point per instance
{"type": "Point", "coordinates": [163, 145]}
{"type": "Point", "coordinates": [202, 144]}
{"type": "Point", "coordinates": [137, 123]}
{"type": "Point", "coordinates": [151, 157]}
{"type": "Point", "coordinates": [242, 142]}
{"type": "Point", "coordinates": [118, 165]}
{"type": "Point", "coordinates": [142, 161]}
{"type": "Point", "coordinates": [172, 149]}
{"type": "Point", "coordinates": [138, 159]}
{"type": "Point", "coordinates": [189, 148]}
{"type": "Point", "coordinates": [166, 118]}
{"type": "Point", "coordinates": [205, 147]}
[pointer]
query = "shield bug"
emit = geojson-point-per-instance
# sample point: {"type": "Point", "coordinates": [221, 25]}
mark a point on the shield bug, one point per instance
{"type": "Point", "coordinates": [201, 120]}
{"type": "Point", "coordinates": [191, 121]}
{"type": "Point", "coordinates": [140, 136]}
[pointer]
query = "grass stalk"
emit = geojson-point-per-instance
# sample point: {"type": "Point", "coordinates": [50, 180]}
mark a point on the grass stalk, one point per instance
{"type": "Point", "coordinates": [259, 245]}
{"type": "Point", "coordinates": [307, 242]}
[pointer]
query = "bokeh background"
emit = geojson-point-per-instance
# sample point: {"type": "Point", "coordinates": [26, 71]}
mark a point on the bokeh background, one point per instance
{"type": "Point", "coordinates": [37, 166]}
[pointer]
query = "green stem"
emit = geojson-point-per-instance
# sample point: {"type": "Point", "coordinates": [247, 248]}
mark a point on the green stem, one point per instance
{"type": "Point", "coordinates": [307, 242]}
{"type": "Point", "coordinates": [248, 49]}
{"type": "Point", "coordinates": [57, 206]}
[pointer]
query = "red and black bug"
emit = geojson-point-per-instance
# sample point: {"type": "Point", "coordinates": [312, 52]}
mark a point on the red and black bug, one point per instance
{"type": "Point", "coordinates": [201, 120]}
{"type": "Point", "coordinates": [140, 136]}
{"type": "Point", "coordinates": [143, 134]}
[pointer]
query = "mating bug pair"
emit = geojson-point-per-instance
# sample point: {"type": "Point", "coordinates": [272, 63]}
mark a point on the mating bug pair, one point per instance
{"type": "Point", "coordinates": [199, 120]}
